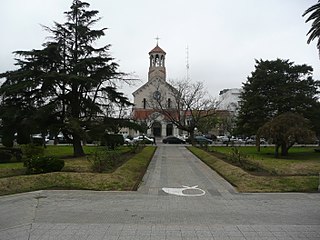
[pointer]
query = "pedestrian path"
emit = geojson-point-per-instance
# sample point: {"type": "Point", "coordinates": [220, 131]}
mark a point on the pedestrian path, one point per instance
{"type": "Point", "coordinates": [169, 205]}
{"type": "Point", "coordinates": [174, 166]}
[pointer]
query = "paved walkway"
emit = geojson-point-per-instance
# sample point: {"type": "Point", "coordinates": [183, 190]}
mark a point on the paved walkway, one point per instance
{"type": "Point", "coordinates": [152, 214]}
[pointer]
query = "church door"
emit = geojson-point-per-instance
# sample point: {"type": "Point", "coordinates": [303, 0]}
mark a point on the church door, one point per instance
{"type": "Point", "coordinates": [169, 129]}
{"type": "Point", "coordinates": [156, 129]}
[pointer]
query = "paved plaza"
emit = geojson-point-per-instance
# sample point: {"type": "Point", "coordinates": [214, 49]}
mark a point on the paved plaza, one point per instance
{"type": "Point", "coordinates": [180, 198]}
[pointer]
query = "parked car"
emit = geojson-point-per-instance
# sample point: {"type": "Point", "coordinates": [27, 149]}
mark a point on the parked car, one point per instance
{"type": "Point", "coordinates": [62, 140]}
{"type": "Point", "coordinates": [128, 141]}
{"type": "Point", "coordinates": [173, 139]}
{"type": "Point", "coordinates": [143, 139]}
{"type": "Point", "coordinates": [223, 139]}
{"type": "Point", "coordinates": [210, 136]}
{"type": "Point", "coordinates": [183, 136]}
{"type": "Point", "coordinates": [253, 141]}
{"type": "Point", "coordinates": [38, 139]}
{"type": "Point", "coordinates": [236, 140]}
{"type": "Point", "coordinates": [200, 140]}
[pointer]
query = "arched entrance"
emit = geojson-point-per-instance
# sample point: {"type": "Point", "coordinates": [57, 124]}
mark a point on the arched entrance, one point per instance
{"type": "Point", "coordinates": [156, 129]}
{"type": "Point", "coordinates": [169, 129]}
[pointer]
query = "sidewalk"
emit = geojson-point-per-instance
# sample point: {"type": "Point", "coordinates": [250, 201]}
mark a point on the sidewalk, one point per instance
{"type": "Point", "coordinates": [152, 214]}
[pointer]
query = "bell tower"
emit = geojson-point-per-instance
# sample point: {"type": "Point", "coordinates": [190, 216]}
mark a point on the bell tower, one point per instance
{"type": "Point", "coordinates": [157, 69]}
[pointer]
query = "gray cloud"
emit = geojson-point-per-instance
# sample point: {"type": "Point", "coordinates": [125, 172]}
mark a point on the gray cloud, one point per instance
{"type": "Point", "coordinates": [224, 37]}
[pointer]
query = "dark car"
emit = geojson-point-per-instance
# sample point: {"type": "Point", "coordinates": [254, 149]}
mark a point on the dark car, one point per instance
{"type": "Point", "coordinates": [173, 139]}
{"type": "Point", "coordinates": [200, 140]}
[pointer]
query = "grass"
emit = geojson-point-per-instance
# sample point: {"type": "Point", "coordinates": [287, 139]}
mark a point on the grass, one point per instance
{"type": "Point", "coordinates": [125, 177]}
{"type": "Point", "coordinates": [300, 160]}
{"type": "Point", "coordinates": [66, 151]}
{"type": "Point", "coordinates": [246, 182]}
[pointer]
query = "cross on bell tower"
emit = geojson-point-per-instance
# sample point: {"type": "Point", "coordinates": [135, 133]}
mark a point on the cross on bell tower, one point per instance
{"type": "Point", "coordinates": [157, 38]}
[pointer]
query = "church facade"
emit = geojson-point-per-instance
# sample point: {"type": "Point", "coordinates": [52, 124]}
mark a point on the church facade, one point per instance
{"type": "Point", "coordinates": [157, 91]}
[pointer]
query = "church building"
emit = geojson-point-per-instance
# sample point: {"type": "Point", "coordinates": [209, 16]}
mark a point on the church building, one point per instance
{"type": "Point", "coordinates": [157, 91]}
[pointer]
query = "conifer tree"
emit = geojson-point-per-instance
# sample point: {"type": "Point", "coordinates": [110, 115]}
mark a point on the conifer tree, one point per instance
{"type": "Point", "coordinates": [276, 87]}
{"type": "Point", "coordinates": [70, 81]}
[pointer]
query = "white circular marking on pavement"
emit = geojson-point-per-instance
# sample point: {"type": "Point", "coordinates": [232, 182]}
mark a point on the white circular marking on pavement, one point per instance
{"type": "Point", "coordinates": [179, 191]}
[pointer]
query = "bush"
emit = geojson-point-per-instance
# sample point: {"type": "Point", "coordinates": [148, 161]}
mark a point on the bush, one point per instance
{"type": "Point", "coordinates": [103, 160]}
{"type": "Point", "coordinates": [237, 157]}
{"type": "Point", "coordinates": [31, 150]}
{"type": "Point", "coordinates": [37, 141]}
{"type": "Point", "coordinates": [204, 145]}
{"type": "Point", "coordinates": [135, 147]}
{"type": "Point", "coordinates": [43, 164]}
{"type": "Point", "coordinates": [8, 154]}
{"type": "Point", "coordinates": [7, 140]}
{"type": "Point", "coordinates": [23, 137]}
{"type": "Point", "coordinates": [112, 140]}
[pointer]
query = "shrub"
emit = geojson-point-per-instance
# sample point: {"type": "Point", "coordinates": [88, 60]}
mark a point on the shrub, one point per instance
{"type": "Point", "coordinates": [43, 164]}
{"type": "Point", "coordinates": [112, 140]}
{"type": "Point", "coordinates": [103, 160]}
{"type": "Point", "coordinates": [8, 154]}
{"type": "Point", "coordinates": [8, 139]}
{"type": "Point", "coordinates": [204, 145]}
{"type": "Point", "coordinates": [135, 147]}
{"type": "Point", "coordinates": [31, 150]}
{"type": "Point", "coordinates": [237, 156]}
{"type": "Point", "coordinates": [37, 141]}
{"type": "Point", "coordinates": [23, 136]}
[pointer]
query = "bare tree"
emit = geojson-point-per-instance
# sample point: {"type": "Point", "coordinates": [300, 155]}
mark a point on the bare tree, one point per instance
{"type": "Point", "coordinates": [185, 105]}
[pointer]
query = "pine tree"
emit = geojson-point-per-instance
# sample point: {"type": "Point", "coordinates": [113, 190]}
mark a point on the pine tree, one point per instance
{"type": "Point", "coordinates": [275, 87]}
{"type": "Point", "coordinates": [69, 80]}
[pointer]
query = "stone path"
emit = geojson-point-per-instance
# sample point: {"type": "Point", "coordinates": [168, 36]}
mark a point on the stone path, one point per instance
{"type": "Point", "coordinates": [152, 214]}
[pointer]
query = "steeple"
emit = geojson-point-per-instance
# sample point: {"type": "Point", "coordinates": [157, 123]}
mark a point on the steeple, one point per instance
{"type": "Point", "coordinates": [157, 69]}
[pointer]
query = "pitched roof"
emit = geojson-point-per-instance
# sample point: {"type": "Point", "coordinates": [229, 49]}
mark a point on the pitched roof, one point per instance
{"type": "Point", "coordinates": [157, 49]}
{"type": "Point", "coordinates": [141, 114]}
{"type": "Point", "coordinates": [150, 83]}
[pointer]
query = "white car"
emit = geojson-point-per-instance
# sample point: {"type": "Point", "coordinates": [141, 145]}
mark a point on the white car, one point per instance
{"type": "Point", "coordinates": [38, 137]}
{"type": "Point", "coordinates": [128, 141]}
{"type": "Point", "coordinates": [223, 139]}
{"type": "Point", "coordinates": [143, 138]}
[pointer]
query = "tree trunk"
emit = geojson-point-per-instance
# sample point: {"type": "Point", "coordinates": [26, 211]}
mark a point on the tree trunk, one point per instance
{"type": "Point", "coordinates": [77, 147]}
{"type": "Point", "coordinates": [192, 137]}
{"type": "Point", "coordinates": [276, 150]}
{"type": "Point", "coordinates": [43, 135]}
{"type": "Point", "coordinates": [258, 144]}
{"type": "Point", "coordinates": [284, 149]}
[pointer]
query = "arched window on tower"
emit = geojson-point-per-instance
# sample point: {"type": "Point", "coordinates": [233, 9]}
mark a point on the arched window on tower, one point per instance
{"type": "Point", "coordinates": [151, 61]}
{"type": "Point", "coordinates": [162, 61]}
{"type": "Point", "coordinates": [144, 103]}
{"type": "Point", "coordinates": [157, 61]}
{"type": "Point", "coordinates": [169, 102]}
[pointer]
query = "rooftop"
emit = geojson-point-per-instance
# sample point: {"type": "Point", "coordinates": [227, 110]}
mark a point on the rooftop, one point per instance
{"type": "Point", "coordinates": [157, 49]}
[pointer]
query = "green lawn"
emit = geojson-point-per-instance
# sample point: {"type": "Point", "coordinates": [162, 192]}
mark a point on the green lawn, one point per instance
{"type": "Point", "coordinates": [67, 150]}
{"type": "Point", "coordinates": [296, 173]}
{"type": "Point", "coordinates": [77, 173]}
{"type": "Point", "coordinates": [61, 151]}
{"type": "Point", "coordinates": [300, 160]}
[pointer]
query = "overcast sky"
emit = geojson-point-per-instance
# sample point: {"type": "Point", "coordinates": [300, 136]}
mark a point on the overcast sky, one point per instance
{"type": "Point", "coordinates": [223, 37]}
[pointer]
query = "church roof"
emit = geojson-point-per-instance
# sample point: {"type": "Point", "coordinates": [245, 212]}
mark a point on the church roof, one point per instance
{"type": "Point", "coordinates": [150, 83]}
{"type": "Point", "coordinates": [157, 49]}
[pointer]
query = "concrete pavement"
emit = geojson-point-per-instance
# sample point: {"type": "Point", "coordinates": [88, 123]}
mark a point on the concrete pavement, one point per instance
{"type": "Point", "coordinates": [150, 213]}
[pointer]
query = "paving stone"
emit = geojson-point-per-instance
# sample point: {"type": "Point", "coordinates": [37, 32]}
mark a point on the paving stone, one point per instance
{"type": "Point", "coordinates": [150, 213]}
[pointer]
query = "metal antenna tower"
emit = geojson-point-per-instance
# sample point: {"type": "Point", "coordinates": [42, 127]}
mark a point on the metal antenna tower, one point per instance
{"type": "Point", "coordinates": [187, 63]}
